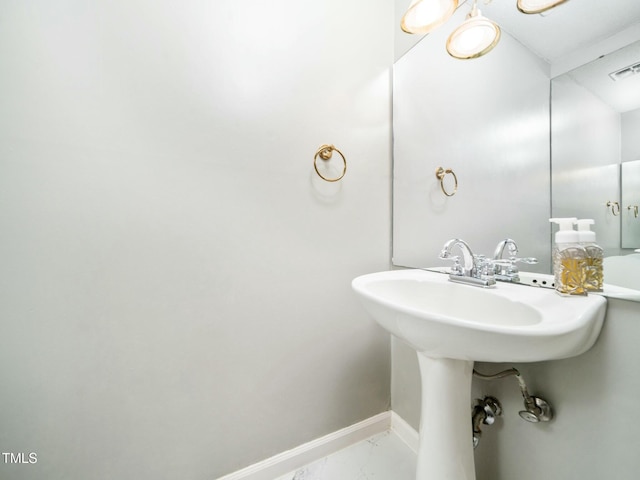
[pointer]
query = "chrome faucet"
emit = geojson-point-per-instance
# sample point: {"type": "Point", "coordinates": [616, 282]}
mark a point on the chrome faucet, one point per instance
{"type": "Point", "coordinates": [506, 269]}
{"type": "Point", "coordinates": [507, 243]}
{"type": "Point", "coordinates": [475, 269]}
{"type": "Point", "coordinates": [467, 255]}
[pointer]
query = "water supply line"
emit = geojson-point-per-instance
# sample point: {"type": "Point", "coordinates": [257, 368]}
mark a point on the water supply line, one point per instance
{"type": "Point", "coordinates": [536, 409]}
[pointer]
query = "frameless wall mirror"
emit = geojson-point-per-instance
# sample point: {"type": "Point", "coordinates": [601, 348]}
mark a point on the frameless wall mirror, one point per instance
{"type": "Point", "coordinates": [485, 121]}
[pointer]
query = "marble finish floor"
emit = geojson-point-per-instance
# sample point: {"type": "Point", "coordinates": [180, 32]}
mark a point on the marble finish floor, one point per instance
{"type": "Point", "coordinates": [381, 457]}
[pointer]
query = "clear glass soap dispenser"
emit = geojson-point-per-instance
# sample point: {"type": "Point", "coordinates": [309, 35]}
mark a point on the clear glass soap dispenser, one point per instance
{"type": "Point", "coordinates": [594, 275]}
{"type": "Point", "coordinates": [569, 259]}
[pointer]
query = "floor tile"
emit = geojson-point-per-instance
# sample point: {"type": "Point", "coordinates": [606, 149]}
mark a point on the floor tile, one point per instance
{"type": "Point", "coordinates": [381, 457]}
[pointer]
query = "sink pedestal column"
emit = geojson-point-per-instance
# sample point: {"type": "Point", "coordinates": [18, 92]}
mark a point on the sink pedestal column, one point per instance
{"type": "Point", "coordinates": [446, 441]}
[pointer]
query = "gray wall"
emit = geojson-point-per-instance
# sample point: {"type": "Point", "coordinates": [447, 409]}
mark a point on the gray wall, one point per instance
{"type": "Point", "coordinates": [595, 432]}
{"type": "Point", "coordinates": [175, 293]}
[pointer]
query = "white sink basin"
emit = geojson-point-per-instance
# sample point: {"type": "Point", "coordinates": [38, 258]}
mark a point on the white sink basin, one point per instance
{"type": "Point", "coordinates": [451, 325]}
{"type": "Point", "coordinates": [509, 323]}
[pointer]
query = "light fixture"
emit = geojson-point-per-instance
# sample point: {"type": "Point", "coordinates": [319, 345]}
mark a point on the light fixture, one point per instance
{"type": "Point", "coordinates": [476, 36]}
{"type": "Point", "coordinates": [537, 6]}
{"type": "Point", "coordinates": [424, 16]}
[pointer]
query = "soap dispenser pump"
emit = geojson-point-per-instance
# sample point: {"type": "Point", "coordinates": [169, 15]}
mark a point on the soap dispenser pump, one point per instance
{"type": "Point", "coordinates": [569, 259]}
{"type": "Point", "coordinates": [594, 276]}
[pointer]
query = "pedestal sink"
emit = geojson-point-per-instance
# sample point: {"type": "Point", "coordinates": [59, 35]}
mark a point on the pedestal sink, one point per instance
{"type": "Point", "coordinates": [451, 325]}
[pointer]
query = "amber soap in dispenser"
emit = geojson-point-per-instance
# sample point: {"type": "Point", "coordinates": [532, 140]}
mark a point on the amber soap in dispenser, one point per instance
{"type": "Point", "coordinates": [594, 276]}
{"type": "Point", "coordinates": [569, 259]}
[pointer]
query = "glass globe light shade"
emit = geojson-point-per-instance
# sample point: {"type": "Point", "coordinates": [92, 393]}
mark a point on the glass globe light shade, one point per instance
{"type": "Point", "coordinates": [476, 36]}
{"type": "Point", "coordinates": [424, 16]}
{"type": "Point", "coordinates": [537, 6]}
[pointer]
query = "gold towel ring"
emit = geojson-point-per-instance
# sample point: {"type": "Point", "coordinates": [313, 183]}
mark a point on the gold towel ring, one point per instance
{"type": "Point", "coordinates": [325, 152]}
{"type": "Point", "coordinates": [635, 210]}
{"type": "Point", "coordinates": [615, 208]}
{"type": "Point", "coordinates": [440, 174]}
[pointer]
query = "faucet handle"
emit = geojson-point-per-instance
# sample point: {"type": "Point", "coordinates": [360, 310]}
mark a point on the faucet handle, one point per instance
{"type": "Point", "coordinates": [507, 270]}
{"type": "Point", "coordinates": [484, 267]}
{"type": "Point", "coordinates": [456, 268]}
{"type": "Point", "coordinates": [512, 249]}
{"type": "Point", "coordinates": [527, 260]}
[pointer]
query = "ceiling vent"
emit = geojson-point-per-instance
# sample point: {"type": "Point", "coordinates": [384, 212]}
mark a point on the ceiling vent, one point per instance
{"type": "Point", "coordinates": [625, 72]}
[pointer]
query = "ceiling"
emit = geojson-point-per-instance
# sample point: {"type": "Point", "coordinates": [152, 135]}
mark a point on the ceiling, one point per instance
{"type": "Point", "coordinates": [589, 34]}
{"type": "Point", "coordinates": [571, 27]}
{"type": "Point", "coordinates": [622, 95]}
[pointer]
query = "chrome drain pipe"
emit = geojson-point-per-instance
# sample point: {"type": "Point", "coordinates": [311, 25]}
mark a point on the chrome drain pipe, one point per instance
{"type": "Point", "coordinates": [484, 412]}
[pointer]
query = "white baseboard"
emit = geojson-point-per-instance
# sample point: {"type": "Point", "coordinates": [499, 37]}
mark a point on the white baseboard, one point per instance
{"type": "Point", "coordinates": [404, 431]}
{"type": "Point", "coordinates": [302, 455]}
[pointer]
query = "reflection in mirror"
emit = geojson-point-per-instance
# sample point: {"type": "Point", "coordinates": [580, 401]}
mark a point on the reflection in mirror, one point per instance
{"type": "Point", "coordinates": [622, 270]}
{"type": "Point", "coordinates": [457, 115]}
{"type": "Point", "coordinates": [594, 123]}
{"type": "Point", "coordinates": [487, 120]}
{"type": "Point", "coordinates": [630, 213]}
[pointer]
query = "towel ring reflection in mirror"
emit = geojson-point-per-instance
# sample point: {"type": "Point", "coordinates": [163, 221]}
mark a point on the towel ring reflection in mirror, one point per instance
{"type": "Point", "coordinates": [441, 173]}
{"type": "Point", "coordinates": [325, 152]}
{"type": "Point", "coordinates": [615, 208]}
{"type": "Point", "coordinates": [635, 210]}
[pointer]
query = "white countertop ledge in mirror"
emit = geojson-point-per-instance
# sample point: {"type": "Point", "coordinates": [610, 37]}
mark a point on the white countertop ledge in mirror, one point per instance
{"type": "Point", "coordinates": [609, 290]}
{"type": "Point", "coordinates": [545, 280]}
{"type": "Point", "coordinates": [509, 323]}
